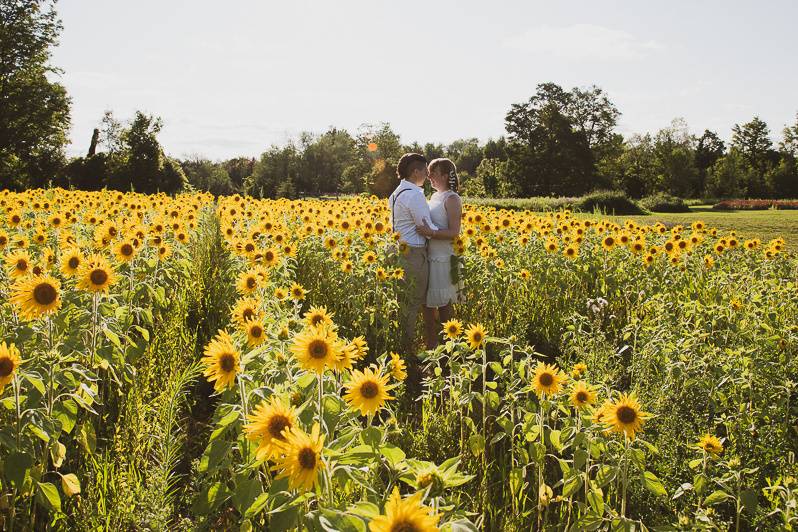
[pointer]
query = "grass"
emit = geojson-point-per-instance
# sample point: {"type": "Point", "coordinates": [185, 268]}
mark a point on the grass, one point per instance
{"type": "Point", "coordinates": [765, 224]}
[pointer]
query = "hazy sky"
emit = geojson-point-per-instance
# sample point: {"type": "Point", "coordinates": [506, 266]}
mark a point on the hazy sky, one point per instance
{"type": "Point", "coordinates": [230, 78]}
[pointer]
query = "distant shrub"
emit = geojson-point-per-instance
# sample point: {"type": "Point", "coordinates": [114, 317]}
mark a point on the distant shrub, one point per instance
{"type": "Point", "coordinates": [754, 205]}
{"type": "Point", "coordinates": [609, 202]}
{"type": "Point", "coordinates": [662, 202]}
{"type": "Point", "coordinates": [538, 204]}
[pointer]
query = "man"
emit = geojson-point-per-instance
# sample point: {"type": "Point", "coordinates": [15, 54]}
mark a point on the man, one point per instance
{"type": "Point", "coordinates": [409, 209]}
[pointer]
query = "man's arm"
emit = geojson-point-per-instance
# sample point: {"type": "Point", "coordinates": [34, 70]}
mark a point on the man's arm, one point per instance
{"type": "Point", "coordinates": [419, 210]}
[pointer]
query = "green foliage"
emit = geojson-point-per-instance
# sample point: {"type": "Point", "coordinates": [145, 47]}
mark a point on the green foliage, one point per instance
{"type": "Point", "coordinates": [34, 115]}
{"type": "Point", "coordinates": [663, 202]}
{"type": "Point", "coordinates": [608, 202]}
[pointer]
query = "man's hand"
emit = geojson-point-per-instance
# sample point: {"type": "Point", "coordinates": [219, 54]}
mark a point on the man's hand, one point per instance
{"type": "Point", "coordinates": [424, 229]}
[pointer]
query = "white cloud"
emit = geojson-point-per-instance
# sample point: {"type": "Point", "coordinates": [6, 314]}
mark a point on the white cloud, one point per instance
{"type": "Point", "coordinates": [583, 42]}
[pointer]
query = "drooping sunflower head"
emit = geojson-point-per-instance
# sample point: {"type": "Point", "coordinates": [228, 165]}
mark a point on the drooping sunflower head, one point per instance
{"type": "Point", "coordinates": [367, 391]}
{"type": "Point", "coordinates": [398, 367]}
{"type": "Point", "coordinates": [547, 379]}
{"type": "Point", "coordinates": [476, 336]}
{"type": "Point", "coordinates": [267, 423]}
{"type": "Point", "coordinates": [96, 274]}
{"type": "Point", "coordinates": [319, 317]}
{"type": "Point", "coordinates": [453, 329]}
{"type": "Point", "coordinates": [405, 515]}
{"type": "Point", "coordinates": [625, 416]}
{"type": "Point", "coordinates": [578, 370]}
{"type": "Point", "coordinates": [221, 361]}
{"type": "Point", "coordinates": [710, 444]}
{"type": "Point", "coordinates": [582, 395]}
{"type": "Point", "coordinates": [36, 296]}
{"type": "Point", "coordinates": [316, 348]}
{"type": "Point", "coordinates": [358, 348]}
{"type": "Point", "coordinates": [299, 458]}
{"type": "Point", "coordinates": [9, 362]}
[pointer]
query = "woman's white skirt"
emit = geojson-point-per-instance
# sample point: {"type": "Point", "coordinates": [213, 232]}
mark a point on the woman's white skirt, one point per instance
{"type": "Point", "coordinates": [440, 290]}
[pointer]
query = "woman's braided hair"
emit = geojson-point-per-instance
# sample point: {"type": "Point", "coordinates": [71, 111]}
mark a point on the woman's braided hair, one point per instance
{"type": "Point", "coordinates": [446, 167]}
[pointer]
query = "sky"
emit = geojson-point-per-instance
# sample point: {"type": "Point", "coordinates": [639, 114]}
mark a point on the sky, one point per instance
{"type": "Point", "coordinates": [232, 78]}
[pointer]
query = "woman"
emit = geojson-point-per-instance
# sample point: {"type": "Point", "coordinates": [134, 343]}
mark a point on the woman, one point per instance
{"type": "Point", "coordinates": [445, 210]}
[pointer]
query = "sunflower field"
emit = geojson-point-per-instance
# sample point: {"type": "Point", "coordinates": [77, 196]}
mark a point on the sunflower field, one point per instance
{"type": "Point", "coordinates": [202, 363]}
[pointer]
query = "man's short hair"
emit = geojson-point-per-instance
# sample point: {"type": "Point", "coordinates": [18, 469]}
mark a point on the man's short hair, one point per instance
{"type": "Point", "coordinates": [409, 163]}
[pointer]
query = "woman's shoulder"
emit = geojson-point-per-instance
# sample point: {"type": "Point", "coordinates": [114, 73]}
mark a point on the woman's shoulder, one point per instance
{"type": "Point", "coordinates": [452, 196]}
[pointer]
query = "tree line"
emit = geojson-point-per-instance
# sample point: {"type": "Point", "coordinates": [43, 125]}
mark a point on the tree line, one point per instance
{"type": "Point", "coordinates": [560, 142]}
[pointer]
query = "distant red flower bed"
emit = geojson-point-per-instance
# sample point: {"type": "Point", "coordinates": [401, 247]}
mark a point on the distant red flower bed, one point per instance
{"type": "Point", "coordinates": [755, 205]}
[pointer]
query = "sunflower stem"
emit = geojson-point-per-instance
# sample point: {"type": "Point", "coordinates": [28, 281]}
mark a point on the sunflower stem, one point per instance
{"type": "Point", "coordinates": [625, 473]}
{"type": "Point", "coordinates": [321, 395]}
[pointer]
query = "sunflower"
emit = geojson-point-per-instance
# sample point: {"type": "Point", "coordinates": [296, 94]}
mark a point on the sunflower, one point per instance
{"type": "Point", "coordinates": [36, 296]}
{"type": "Point", "coordinates": [71, 261]}
{"type": "Point", "coordinates": [164, 250]}
{"type": "Point", "coordinates": [608, 242]}
{"type": "Point", "coordinates": [221, 361]}
{"type": "Point", "coordinates": [9, 362]}
{"type": "Point", "coordinates": [298, 457]}
{"type": "Point", "coordinates": [625, 415]}
{"type": "Point", "coordinates": [245, 309]}
{"type": "Point", "coordinates": [398, 367]}
{"type": "Point", "coordinates": [582, 395]}
{"type": "Point", "coordinates": [319, 317]}
{"type": "Point", "coordinates": [316, 348]}
{"type": "Point", "coordinates": [256, 334]}
{"type": "Point", "coordinates": [249, 281]}
{"type": "Point", "coordinates": [266, 425]}
{"type": "Point", "coordinates": [18, 263]}
{"type": "Point", "coordinates": [297, 292]}
{"type": "Point", "coordinates": [453, 329]}
{"type": "Point", "coordinates": [405, 515]}
{"type": "Point", "coordinates": [475, 335]}
{"type": "Point", "coordinates": [367, 391]}
{"type": "Point", "coordinates": [358, 348]}
{"type": "Point", "coordinates": [124, 251]}
{"type": "Point", "coordinates": [96, 275]}
{"type": "Point", "coordinates": [710, 444]}
{"type": "Point", "coordinates": [571, 252]}
{"type": "Point", "coordinates": [578, 370]}
{"type": "Point", "coordinates": [547, 379]}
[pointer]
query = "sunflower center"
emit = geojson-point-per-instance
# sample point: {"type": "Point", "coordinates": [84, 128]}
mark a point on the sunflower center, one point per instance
{"type": "Point", "coordinates": [626, 414]}
{"type": "Point", "coordinates": [22, 264]}
{"type": "Point", "coordinates": [546, 379]}
{"type": "Point", "coordinates": [98, 277]}
{"type": "Point", "coordinates": [404, 526]}
{"type": "Point", "coordinates": [74, 262]}
{"type": "Point", "coordinates": [581, 397]}
{"type": "Point", "coordinates": [45, 294]}
{"type": "Point", "coordinates": [251, 283]}
{"type": "Point", "coordinates": [276, 425]}
{"type": "Point", "coordinates": [256, 331]}
{"type": "Point", "coordinates": [477, 337]}
{"type": "Point", "coordinates": [227, 362]}
{"type": "Point", "coordinates": [307, 458]}
{"type": "Point", "coordinates": [269, 256]}
{"type": "Point", "coordinates": [318, 349]}
{"type": "Point", "coordinates": [127, 250]}
{"type": "Point", "coordinates": [315, 320]}
{"type": "Point", "coordinates": [369, 390]}
{"type": "Point", "coordinates": [248, 313]}
{"type": "Point", "coordinates": [6, 367]}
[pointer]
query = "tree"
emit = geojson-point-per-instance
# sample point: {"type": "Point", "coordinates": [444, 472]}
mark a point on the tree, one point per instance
{"type": "Point", "coordinates": [789, 142]}
{"type": "Point", "coordinates": [635, 170]}
{"type": "Point", "coordinates": [495, 149]}
{"type": "Point", "coordinates": [727, 177]}
{"type": "Point", "coordinates": [324, 159]}
{"type": "Point", "coordinates": [466, 154]}
{"type": "Point", "coordinates": [546, 154]}
{"type": "Point", "coordinates": [752, 141]}
{"type": "Point", "coordinates": [276, 167]}
{"type": "Point", "coordinates": [34, 111]}
{"type": "Point", "coordinates": [708, 150]}
{"type": "Point", "coordinates": [674, 156]}
{"type": "Point", "coordinates": [592, 113]}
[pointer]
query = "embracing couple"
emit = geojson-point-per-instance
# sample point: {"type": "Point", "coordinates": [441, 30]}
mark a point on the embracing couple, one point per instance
{"type": "Point", "coordinates": [428, 229]}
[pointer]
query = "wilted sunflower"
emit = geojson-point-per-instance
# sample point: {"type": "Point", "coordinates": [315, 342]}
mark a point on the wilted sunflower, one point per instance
{"type": "Point", "coordinates": [221, 361]}
{"type": "Point", "coordinates": [625, 416]}
{"type": "Point", "coordinates": [475, 335]}
{"type": "Point", "coordinates": [316, 348]}
{"type": "Point", "coordinates": [298, 457]}
{"type": "Point", "coordinates": [398, 367]}
{"type": "Point", "coordinates": [405, 515]}
{"type": "Point", "coordinates": [367, 391]}
{"type": "Point", "coordinates": [96, 275]}
{"type": "Point", "coordinates": [71, 261]}
{"type": "Point", "coordinates": [547, 379]}
{"type": "Point", "coordinates": [319, 317]}
{"type": "Point", "coordinates": [582, 395]}
{"type": "Point", "coordinates": [710, 444]}
{"type": "Point", "coordinates": [453, 329]}
{"type": "Point", "coordinates": [266, 425]}
{"type": "Point", "coordinates": [36, 296]}
{"type": "Point", "coordinates": [9, 362]}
